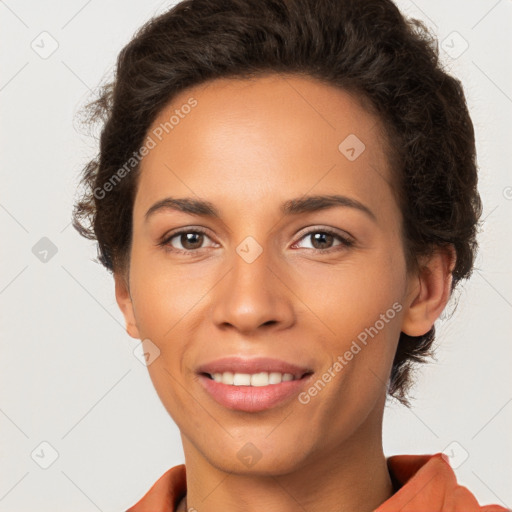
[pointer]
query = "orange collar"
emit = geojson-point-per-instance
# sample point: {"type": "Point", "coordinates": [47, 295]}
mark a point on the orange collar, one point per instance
{"type": "Point", "coordinates": [425, 483]}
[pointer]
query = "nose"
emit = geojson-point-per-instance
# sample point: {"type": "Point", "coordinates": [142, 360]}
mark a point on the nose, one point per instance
{"type": "Point", "coordinates": [253, 296]}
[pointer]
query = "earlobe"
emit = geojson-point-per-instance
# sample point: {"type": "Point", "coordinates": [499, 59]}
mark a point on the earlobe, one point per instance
{"type": "Point", "coordinates": [429, 292]}
{"type": "Point", "coordinates": [124, 301]}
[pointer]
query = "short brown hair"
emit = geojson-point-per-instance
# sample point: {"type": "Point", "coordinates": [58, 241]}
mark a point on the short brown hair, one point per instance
{"type": "Point", "coordinates": [363, 46]}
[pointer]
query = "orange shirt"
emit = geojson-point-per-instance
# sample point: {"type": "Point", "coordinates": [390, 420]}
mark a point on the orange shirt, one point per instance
{"type": "Point", "coordinates": [424, 483]}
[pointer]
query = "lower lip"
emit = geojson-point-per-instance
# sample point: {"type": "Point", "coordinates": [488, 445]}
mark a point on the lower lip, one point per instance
{"type": "Point", "coordinates": [252, 398]}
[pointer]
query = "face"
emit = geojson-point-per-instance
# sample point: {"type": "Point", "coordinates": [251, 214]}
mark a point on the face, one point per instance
{"type": "Point", "coordinates": [275, 276]}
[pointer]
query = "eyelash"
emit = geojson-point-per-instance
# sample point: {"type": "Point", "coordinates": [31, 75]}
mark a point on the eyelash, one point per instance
{"type": "Point", "coordinates": [345, 241]}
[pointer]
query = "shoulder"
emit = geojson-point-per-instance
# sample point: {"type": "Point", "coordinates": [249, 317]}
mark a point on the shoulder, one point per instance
{"type": "Point", "coordinates": [165, 492]}
{"type": "Point", "coordinates": [428, 482]}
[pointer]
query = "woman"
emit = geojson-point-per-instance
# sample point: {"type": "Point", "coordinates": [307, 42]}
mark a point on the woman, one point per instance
{"type": "Point", "coordinates": [286, 194]}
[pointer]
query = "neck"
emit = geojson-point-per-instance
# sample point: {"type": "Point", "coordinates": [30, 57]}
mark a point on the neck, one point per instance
{"type": "Point", "coordinates": [350, 476]}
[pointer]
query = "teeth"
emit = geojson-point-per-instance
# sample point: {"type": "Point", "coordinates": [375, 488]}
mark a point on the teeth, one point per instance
{"type": "Point", "coordinates": [254, 379]}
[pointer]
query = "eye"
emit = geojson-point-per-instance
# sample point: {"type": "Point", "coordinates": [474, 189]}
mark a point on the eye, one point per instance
{"type": "Point", "coordinates": [188, 240]}
{"type": "Point", "coordinates": [191, 240]}
{"type": "Point", "coordinates": [322, 240]}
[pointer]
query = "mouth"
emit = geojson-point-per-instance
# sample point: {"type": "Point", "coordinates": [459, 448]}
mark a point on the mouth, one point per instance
{"type": "Point", "coordinates": [259, 379]}
{"type": "Point", "coordinates": [253, 392]}
{"type": "Point", "coordinates": [252, 384]}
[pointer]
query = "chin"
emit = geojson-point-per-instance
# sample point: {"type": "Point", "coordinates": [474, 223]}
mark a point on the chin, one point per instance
{"type": "Point", "coordinates": [259, 454]}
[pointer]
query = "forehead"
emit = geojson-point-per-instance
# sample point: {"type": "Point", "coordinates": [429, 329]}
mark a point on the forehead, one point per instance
{"type": "Point", "coordinates": [271, 136]}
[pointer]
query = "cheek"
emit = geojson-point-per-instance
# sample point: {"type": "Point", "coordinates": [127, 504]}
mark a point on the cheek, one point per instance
{"type": "Point", "coordinates": [359, 304]}
{"type": "Point", "coordinates": [350, 296]}
{"type": "Point", "coordinates": [164, 298]}
{"type": "Point", "coordinates": [163, 293]}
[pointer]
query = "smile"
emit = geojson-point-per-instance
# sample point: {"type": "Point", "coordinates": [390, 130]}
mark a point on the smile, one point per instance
{"type": "Point", "coordinates": [248, 379]}
{"type": "Point", "coordinates": [241, 394]}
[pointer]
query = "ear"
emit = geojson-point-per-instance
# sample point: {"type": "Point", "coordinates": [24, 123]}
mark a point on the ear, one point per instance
{"type": "Point", "coordinates": [124, 301]}
{"type": "Point", "coordinates": [429, 291]}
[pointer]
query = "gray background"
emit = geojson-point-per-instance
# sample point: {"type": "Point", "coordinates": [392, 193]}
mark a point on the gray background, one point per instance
{"type": "Point", "coordinates": [68, 375]}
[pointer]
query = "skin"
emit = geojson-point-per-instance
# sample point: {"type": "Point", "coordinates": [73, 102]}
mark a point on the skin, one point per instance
{"type": "Point", "coordinates": [248, 146]}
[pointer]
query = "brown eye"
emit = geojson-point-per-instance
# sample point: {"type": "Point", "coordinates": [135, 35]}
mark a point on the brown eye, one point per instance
{"type": "Point", "coordinates": [323, 240]}
{"type": "Point", "coordinates": [185, 241]}
{"type": "Point", "coordinates": [191, 240]}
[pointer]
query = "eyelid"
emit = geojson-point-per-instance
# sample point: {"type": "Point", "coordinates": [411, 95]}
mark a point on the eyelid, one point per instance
{"type": "Point", "coordinates": [325, 229]}
{"type": "Point", "coordinates": [178, 231]}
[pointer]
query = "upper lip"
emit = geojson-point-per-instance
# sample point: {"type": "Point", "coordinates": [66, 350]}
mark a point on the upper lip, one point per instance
{"type": "Point", "coordinates": [237, 364]}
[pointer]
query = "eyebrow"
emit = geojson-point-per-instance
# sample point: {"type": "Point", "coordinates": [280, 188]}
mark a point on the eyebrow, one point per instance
{"type": "Point", "coordinates": [291, 207]}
